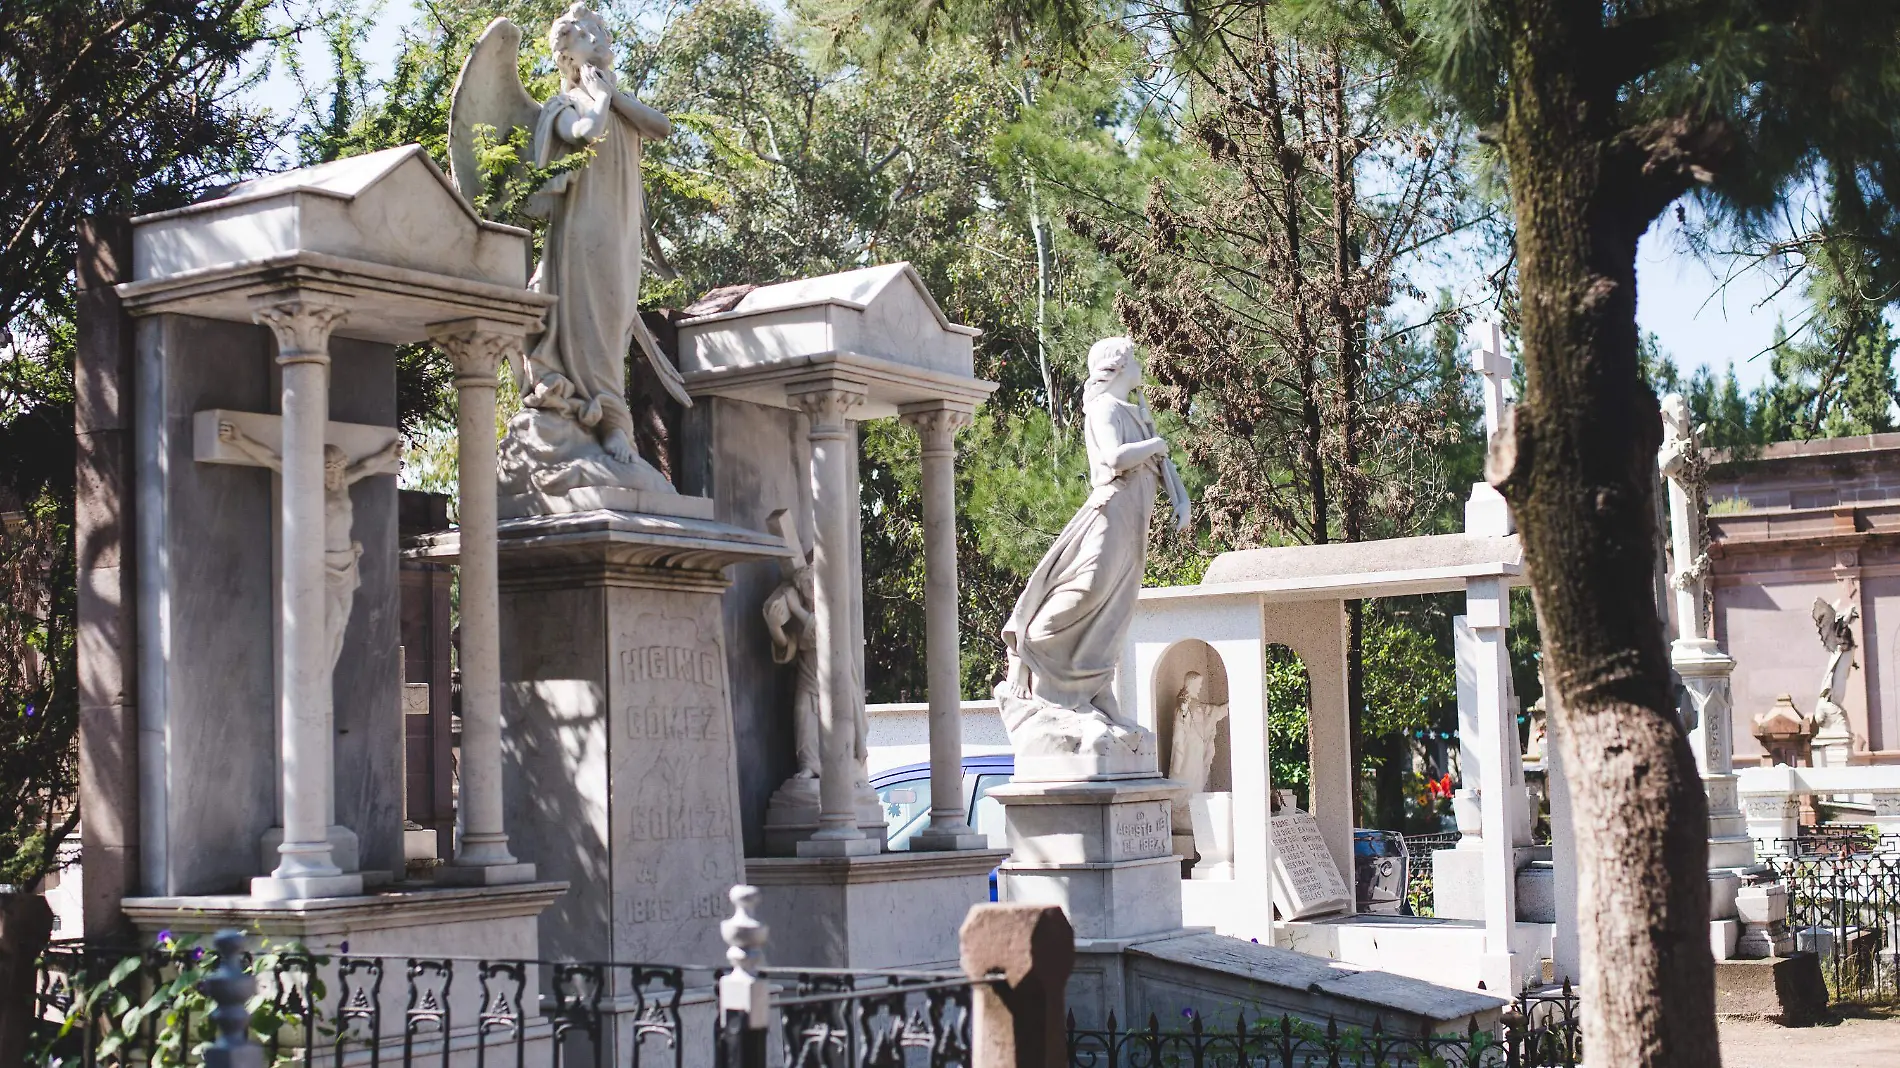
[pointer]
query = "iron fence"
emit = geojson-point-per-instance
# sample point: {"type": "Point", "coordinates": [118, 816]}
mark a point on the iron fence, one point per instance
{"type": "Point", "coordinates": [889, 1019]}
{"type": "Point", "coordinates": [1844, 904]}
{"type": "Point", "coordinates": [1418, 885]}
{"type": "Point", "coordinates": [1540, 1030]}
{"type": "Point", "coordinates": [100, 1007]}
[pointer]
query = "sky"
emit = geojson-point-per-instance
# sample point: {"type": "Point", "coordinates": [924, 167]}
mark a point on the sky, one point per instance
{"type": "Point", "coordinates": [1680, 299]}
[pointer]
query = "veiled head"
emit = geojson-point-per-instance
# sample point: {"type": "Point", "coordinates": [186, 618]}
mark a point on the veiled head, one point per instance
{"type": "Point", "coordinates": [580, 38]}
{"type": "Point", "coordinates": [1113, 367]}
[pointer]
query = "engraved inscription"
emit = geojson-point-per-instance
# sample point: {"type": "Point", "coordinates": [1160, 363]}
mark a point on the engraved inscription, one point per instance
{"type": "Point", "coordinates": [629, 908]}
{"type": "Point", "coordinates": [676, 663]}
{"type": "Point", "coordinates": [1142, 831]}
{"type": "Point", "coordinates": [678, 819]}
{"type": "Point", "coordinates": [1306, 882]}
{"type": "Point", "coordinates": [665, 723]}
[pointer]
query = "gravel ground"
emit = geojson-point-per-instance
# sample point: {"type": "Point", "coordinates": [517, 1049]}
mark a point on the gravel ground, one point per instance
{"type": "Point", "coordinates": [1867, 1039]}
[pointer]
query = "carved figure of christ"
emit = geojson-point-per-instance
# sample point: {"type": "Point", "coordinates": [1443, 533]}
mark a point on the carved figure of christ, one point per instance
{"type": "Point", "coordinates": [341, 552]}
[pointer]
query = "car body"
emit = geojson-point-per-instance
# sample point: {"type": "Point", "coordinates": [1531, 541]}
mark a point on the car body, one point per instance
{"type": "Point", "coordinates": [1381, 866]}
{"type": "Point", "coordinates": [904, 794]}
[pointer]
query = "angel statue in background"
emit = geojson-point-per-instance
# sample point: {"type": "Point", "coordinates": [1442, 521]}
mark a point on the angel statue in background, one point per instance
{"type": "Point", "coordinates": [575, 429]}
{"type": "Point", "coordinates": [1836, 629]}
{"type": "Point", "coordinates": [1066, 633]}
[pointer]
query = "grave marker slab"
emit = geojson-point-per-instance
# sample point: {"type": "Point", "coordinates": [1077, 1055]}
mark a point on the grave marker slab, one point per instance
{"type": "Point", "coordinates": [1305, 880]}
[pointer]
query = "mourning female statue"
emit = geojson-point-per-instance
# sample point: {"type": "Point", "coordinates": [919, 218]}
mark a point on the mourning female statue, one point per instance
{"type": "Point", "coordinates": [1066, 633]}
{"type": "Point", "coordinates": [1196, 727]}
{"type": "Point", "coordinates": [575, 429]}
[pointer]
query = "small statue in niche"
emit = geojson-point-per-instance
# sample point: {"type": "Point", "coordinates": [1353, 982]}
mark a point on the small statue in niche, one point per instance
{"type": "Point", "coordinates": [341, 553]}
{"type": "Point", "coordinates": [1196, 720]}
{"type": "Point", "coordinates": [1065, 635]}
{"type": "Point", "coordinates": [788, 619]}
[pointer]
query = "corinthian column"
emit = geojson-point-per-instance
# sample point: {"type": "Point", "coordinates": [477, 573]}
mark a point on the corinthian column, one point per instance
{"type": "Point", "coordinates": [476, 347]}
{"type": "Point", "coordinates": [833, 496]}
{"type": "Point", "coordinates": [937, 424]}
{"type": "Point", "coordinates": [302, 322]}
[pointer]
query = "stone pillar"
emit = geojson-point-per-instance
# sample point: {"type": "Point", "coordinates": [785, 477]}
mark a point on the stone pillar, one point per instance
{"type": "Point", "coordinates": [1019, 1020]}
{"type": "Point", "coordinates": [936, 425]}
{"type": "Point", "coordinates": [302, 322]}
{"type": "Point", "coordinates": [476, 348]}
{"type": "Point", "coordinates": [1487, 613]}
{"type": "Point", "coordinates": [834, 498]}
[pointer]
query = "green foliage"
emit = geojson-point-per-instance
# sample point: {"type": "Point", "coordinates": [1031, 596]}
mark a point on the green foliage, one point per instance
{"type": "Point", "coordinates": [39, 688]}
{"type": "Point", "coordinates": [153, 1002]}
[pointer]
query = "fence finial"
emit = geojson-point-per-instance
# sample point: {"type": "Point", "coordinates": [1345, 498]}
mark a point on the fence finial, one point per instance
{"type": "Point", "coordinates": [744, 989]}
{"type": "Point", "coordinates": [230, 986]}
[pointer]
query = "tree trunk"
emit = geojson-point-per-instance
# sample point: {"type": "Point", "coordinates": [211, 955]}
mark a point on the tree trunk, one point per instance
{"type": "Point", "coordinates": [1576, 463]}
{"type": "Point", "coordinates": [26, 924]}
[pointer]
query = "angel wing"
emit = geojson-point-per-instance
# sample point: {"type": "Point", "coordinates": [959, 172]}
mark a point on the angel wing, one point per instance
{"type": "Point", "coordinates": [1823, 614]}
{"type": "Point", "coordinates": [487, 93]}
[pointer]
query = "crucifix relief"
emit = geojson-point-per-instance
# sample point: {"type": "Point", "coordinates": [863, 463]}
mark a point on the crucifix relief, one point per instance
{"type": "Point", "coordinates": [351, 453]}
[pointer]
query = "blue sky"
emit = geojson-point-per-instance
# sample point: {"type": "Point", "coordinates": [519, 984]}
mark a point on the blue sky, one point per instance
{"type": "Point", "coordinates": [1679, 297]}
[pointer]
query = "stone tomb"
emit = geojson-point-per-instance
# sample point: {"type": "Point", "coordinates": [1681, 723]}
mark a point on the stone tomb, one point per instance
{"type": "Point", "coordinates": [1294, 596]}
{"type": "Point", "coordinates": [246, 658]}
{"type": "Point", "coordinates": [781, 377]}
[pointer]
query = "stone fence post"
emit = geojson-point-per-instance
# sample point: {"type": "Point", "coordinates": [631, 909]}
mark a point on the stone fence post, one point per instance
{"type": "Point", "coordinates": [1021, 1018]}
{"type": "Point", "coordinates": [744, 995]}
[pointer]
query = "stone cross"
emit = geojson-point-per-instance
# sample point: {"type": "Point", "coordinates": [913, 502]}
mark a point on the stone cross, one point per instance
{"type": "Point", "coordinates": [354, 451]}
{"type": "Point", "coordinates": [1683, 464]}
{"type": "Point", "coordinates": [1486, 512]}
{"type": "Point", "coordinates": [1489, 360]}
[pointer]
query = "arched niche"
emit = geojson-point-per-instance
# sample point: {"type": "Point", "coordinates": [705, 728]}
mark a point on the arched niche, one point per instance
{"type": "Point", "coordinates": [1170, 675]}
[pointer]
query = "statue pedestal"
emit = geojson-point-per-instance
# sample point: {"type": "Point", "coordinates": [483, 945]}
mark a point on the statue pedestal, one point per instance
{"type": "Point", "coordinates": [1101, 849]}
{"type": "Point", "coordinates": [620, 775]}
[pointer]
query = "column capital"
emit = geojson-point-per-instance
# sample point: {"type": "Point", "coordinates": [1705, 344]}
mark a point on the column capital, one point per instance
{"type": "Point", "coordinates": [828, 406]}
{"type": "Point", "coordinates": [476, 346]}
{"type": "Point", "coordinates": [936, 423]}
{"type": "Point", "coordinates": [301, 320]}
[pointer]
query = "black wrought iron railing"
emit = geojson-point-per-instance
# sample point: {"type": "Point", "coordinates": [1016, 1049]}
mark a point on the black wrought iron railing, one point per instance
{"type": "Point", "coordinates": [100, 1007]}
{"type": "Point", "coordinates": [1418, 885]}
{"type": "Point", "coordinates": [1540, 1030]}
{"type": "Point", "coordinates": [1844, 905]}
{"type": "Point", "coordinates": [884, 1019]}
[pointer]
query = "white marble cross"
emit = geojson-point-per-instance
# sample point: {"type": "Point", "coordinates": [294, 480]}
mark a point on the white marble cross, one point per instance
{"type": "Point", "coordinates": [355, 451]}
{"type": "Point", "coordinates": [355, 439]}
{"type": "Point", "coordinates": [1489, 360]}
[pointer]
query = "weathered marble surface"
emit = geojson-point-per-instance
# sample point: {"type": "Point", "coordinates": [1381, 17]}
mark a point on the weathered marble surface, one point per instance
{"type": "Point", "coordinates": [620, 775]}
{"type": "Point", "coordinates": [207, 620]}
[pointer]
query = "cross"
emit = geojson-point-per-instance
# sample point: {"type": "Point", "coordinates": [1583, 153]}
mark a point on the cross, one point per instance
{"type": "Point", "coordinates": [355, 439]}
{"type": "Point", "coordinates": [1490, 361]}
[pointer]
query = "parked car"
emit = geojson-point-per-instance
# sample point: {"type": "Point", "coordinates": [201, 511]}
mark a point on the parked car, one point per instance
{"type": "Point", "coordinates": [1381, 867]}
{"type": "Point", "coordinates": [905, 794]}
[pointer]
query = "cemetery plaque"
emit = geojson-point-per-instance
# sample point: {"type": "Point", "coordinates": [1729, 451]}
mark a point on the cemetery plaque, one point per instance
{"type": "Point", "coordinates": [1306, 882]}
{"type": "Point", "coordinates": [1142, 830]}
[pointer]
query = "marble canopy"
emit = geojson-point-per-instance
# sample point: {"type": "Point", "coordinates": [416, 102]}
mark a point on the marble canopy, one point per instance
{"type": "Point", "coordinates": [877, 328]}
{"type": "Point", "coordinates": [384, 231]}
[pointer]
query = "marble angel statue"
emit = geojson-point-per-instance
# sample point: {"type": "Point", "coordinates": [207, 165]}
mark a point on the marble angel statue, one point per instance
{"type": "Point", "coordinates": [1836, 628]}
{"type": "Point", "coordinates": [1066, 633]}
{"type": "Point", "coordinates": [575, 429]}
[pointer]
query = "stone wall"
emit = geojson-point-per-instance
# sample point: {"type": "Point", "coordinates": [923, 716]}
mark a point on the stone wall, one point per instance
{"type": "Point", "coordinates": [1804, 520]}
